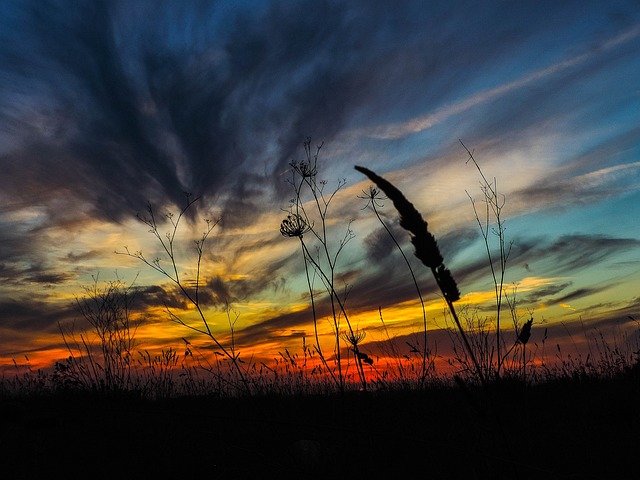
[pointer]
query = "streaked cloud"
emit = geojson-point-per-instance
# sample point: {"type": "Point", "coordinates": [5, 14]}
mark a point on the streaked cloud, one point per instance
{"type": "Point", "coordinates": [419, 124]}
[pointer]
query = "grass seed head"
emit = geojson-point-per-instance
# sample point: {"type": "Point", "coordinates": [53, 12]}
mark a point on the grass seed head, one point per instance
{"type": "Point", "coordinates": [525, 333]}
{"type": "Point", "coordinates": [447, 284]}
{"type": "Point", "coordinates": [425, 244]}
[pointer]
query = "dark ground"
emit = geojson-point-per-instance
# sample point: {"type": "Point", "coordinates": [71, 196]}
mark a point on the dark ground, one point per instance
{"type": "Point", "coordinates": [559, 430]}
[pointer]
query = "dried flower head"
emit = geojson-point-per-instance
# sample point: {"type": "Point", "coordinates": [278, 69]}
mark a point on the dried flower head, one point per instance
{"type": "Point", "coordinates": [353, 337]}
{"type": "Point", "coordinates": [373, 197]}
{"type": "Point", "coordinates": [294, 226]}
{"type": "Point", "coordinates": [305, 169]}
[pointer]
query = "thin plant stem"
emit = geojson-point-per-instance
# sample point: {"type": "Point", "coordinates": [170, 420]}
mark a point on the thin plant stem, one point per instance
{"type": "Point", "coordinates": [372, 201]}
{"type": "Point", "coordinates": [494, 203]}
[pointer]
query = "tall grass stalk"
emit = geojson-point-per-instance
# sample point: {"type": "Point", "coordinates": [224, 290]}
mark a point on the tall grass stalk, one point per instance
{"type": "Point", "coordinates": [426, 249]}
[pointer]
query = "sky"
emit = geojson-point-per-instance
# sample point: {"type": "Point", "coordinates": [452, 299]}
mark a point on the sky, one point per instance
{"type": "Point", "coordinates": [109, 106]}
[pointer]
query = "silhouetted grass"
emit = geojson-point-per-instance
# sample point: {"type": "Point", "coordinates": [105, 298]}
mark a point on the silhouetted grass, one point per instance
{"type": "Point", "coordinates": [536, 412]}
{"type": "Point", "coordinates": [574, 418]}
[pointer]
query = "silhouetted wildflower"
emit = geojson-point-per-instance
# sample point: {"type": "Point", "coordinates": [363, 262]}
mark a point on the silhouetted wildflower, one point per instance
{"type": "Point", "coordinates": [373, 197]}
{"type": "Point", "coordinates": [294, 226]}
{"type": "Point", "coordinates": [354, 337]}
{"type": "Point", "coordinates": [305, 169]}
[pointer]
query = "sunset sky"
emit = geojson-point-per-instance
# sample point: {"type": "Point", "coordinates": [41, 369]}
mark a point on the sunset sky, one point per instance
{"type": "Point", "coordinates": [108, 105]}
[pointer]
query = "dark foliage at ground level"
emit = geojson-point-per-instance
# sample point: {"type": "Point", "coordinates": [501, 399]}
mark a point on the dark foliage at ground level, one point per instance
{"type": "Point", "coordinates": [564, 429]}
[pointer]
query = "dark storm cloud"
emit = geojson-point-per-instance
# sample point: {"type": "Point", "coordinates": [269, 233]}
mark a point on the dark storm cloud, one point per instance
{"type": "Point", "coordinates": [580, 293]}
{"type": "Point", "coordinates": [12, 240]}
{"type": "Point", "coordinates": [118, 104]}
{"type": "Point", "coordinates": [107, 148]}
{"type": "Point", "coordinates": [379, 244]}
{"type": "Point", "coordinates": [74, 257]}
{"type": "Point", "coordinates": [20, 275]}
{"type": "Point", "coordinates": [48, 278]}
{"type": "Point", "coordinates": [545, 296]}
{"type": "Point", "coordinates": [455, 241]}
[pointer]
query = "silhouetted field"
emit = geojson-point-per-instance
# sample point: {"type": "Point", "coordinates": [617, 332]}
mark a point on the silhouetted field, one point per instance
{"type": "Point", "coordinates": [508, 413]}
{"type": "Point", "coordinates": [585, 427]}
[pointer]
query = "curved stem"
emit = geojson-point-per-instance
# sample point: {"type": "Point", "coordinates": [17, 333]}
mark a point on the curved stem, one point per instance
{"type": "Point", "coordinates": [415, 282]}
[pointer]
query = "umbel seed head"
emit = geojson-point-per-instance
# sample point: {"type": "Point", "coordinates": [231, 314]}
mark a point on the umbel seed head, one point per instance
{"type": "Point", "coordinates": [294, 226]}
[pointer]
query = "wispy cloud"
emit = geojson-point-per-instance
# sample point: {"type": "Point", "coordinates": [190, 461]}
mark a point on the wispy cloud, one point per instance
{"type": "Point", "coordinates": [554, 192]}
{"type": "Point", "coordinates": [421, 123]}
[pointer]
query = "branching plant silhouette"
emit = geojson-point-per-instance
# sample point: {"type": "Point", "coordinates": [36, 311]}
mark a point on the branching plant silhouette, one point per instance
{"type": "Point", "coordinates": [494, 203]}
{"type": "Point", "coordinates": [107, 368]}
{"type": "Point", "coordinates": [189, 288]}
{"type": "Point", "coordinates": [308, 213]}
